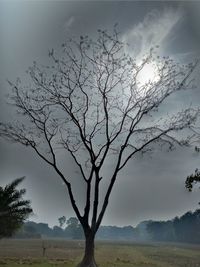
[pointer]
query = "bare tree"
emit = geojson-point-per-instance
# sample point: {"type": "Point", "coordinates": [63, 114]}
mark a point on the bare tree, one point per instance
{"type": "Point", "coordinates": [93, 104]}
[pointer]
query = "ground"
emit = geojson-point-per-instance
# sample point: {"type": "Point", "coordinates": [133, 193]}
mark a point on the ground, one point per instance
{"type": "Point", "coordinates": [60, 253]}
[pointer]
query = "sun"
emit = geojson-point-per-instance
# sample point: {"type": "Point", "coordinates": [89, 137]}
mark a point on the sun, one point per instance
{"type": "Point", "coordinates": [149, 74]}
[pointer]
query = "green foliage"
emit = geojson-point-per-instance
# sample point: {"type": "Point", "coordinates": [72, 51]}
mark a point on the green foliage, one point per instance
{"type": "Point", "coordinates": [14, 210]}
{"type": "Point", "coordinates": [191, 179]}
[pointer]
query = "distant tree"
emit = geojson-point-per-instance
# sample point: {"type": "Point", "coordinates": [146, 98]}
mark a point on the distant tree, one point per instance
{"type": "Point", "coordinates": [72, 221]}
{"type": "Point", "coordinates": [161, 230]}
{"type": "Point", "coordinates": [27, 231]}
{"type": "Point", "coordinates": [187, 227]}
{"type": "Point", "coordinates": [42, 229]}
{"type": "Point", "coordinates": [14, 210]}
{"type": "Point", "coordinates": [117, 233]}
{"type": "Point", "coordinates": [57, 231]}
{"type": "Point", "coordinates": [62, 221]}
{"type": "Point", "coordinates": [180, 229]}
{"type": "Point", "coordinates": [94, 104]}
{"type": "Point", "coordinates": [74, 228]}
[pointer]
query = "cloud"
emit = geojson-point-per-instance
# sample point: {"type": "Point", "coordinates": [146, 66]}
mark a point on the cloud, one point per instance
{"type": "Point", "coordinates": [69, 23]}
{"type": "Point", "coordinates": [152, 31]}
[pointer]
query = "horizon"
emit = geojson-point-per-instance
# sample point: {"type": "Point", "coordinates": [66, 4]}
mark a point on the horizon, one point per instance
{"type": "Point", "coordinates": [120, 226]}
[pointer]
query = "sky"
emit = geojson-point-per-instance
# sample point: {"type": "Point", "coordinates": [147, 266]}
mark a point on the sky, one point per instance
{"type": "Point", "coordinates": [152, 186]}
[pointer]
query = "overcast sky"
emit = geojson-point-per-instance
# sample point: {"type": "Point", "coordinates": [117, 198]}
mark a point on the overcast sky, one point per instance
{"type": "Point", "coordinates": [151, 187]}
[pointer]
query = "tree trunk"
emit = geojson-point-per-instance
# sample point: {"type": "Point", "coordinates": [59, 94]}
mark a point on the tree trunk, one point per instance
{"type": "Point", "coordinates": [88, 259]}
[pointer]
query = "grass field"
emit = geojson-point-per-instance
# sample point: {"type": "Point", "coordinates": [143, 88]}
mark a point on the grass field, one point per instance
{"type": "Point", "coordinates": [60, 253]}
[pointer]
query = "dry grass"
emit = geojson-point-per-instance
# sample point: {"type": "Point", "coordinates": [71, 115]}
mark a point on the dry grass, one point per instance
{"type": "Point", "coordinates": [60, 253]}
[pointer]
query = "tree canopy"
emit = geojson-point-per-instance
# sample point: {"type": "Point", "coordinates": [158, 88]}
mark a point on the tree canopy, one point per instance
{"type": "Point", "coordinates": [14, 210]}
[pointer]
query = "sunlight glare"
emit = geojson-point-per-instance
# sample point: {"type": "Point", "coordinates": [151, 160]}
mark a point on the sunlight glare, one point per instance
{"type": "Point", "coordinates": [148, 74]}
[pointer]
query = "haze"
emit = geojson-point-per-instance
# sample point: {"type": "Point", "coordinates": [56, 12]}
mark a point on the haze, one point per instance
{"type": "Point", "coordinates": [152, 186]}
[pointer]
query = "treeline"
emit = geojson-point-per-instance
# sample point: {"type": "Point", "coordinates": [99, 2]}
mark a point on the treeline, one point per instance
{"type": "Point", "coordinates": [181, 229]}
{"type": "Point", "coordinates": [73, 230]}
